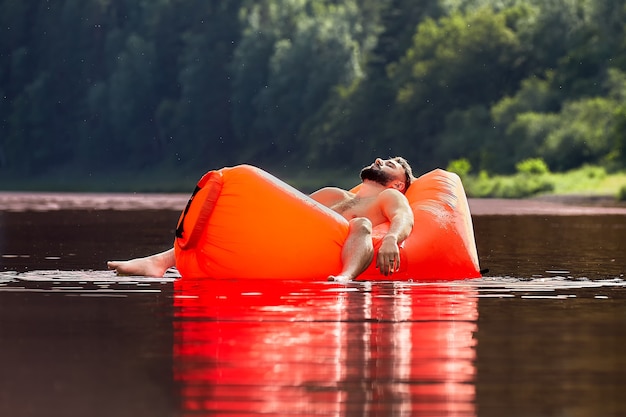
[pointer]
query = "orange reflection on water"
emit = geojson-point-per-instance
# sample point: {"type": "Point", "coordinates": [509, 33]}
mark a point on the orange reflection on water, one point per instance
{"type": "Point", "coordinates": [300, 348]}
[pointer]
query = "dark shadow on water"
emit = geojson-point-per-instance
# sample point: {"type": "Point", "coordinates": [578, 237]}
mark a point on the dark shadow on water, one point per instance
{"type": "Point", "coordinates": [543, 355]}
{"type": "Point", "coordinates": [68, 350]}
{"type": "Point", "coordinates": [534, 246]}
{"type": "Point", "coordinates": [81, 239]}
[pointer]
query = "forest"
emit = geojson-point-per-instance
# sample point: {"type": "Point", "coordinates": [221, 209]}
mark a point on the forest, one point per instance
{"type": "Point", "coordinates": [89, 88]}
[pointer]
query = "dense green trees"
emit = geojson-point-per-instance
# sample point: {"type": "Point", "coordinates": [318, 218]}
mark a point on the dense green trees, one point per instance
{"type": "Point", "coordinates": [95, 86]}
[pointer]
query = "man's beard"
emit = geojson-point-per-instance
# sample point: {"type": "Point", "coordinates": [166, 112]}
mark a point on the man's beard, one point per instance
{"type": "Point", "coordinates": [377, 175]}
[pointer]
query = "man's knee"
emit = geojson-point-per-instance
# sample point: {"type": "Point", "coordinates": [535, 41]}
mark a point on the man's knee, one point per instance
{"type": "Point", "coordinates": [361, 225]}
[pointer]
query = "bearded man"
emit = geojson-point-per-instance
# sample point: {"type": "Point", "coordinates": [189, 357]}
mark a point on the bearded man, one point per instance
{"type": "Point", "coordinates": [379, 199]}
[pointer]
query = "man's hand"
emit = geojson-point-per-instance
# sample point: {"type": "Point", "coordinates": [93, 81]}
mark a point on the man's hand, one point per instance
{"type": "Point", "coordinates": [388, 260]}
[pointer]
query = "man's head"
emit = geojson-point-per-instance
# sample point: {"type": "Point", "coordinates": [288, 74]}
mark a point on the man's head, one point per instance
{"type": "Point", "coordinates": [393, 173]}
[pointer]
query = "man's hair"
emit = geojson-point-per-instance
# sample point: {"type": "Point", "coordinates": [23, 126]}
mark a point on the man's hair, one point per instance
{"type": "Point", "coordinates": [408, 171]}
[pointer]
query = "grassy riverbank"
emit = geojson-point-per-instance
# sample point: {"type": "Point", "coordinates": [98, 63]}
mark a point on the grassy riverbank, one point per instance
{"type": "Point", "coordinates": [588, 181]}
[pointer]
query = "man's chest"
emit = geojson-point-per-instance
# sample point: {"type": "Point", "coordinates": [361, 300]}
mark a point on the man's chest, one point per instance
{"type": "Point", "coordinates": [365, 207]}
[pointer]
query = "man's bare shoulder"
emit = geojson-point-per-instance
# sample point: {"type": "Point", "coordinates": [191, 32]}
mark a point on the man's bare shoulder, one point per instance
{"type": "Point", "coordinates": [392, 201]}
{"type": "Point", "coordinates": [331, 195]}
{"type": "Point", "coordinates": [392, 195]}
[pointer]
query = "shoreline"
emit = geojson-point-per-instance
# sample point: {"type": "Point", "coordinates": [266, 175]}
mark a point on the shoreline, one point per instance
{"type": "Point", "coordinates": [550, 205]}
{"type": "Point", "coordinates": [546, 205]}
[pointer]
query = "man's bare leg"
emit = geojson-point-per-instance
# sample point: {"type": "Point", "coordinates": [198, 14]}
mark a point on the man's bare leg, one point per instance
{"type": "Point", "coordinates": [150, 266]}
{"type": "Point", "coordinates": [357, 252]}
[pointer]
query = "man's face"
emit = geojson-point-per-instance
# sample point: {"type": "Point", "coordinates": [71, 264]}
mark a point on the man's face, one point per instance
{"type": "Point", "coordinates": [383, 171]}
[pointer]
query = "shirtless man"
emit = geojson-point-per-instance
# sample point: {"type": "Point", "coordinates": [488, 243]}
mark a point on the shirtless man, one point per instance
{"type": "Point", "coordinates": [380, 199]}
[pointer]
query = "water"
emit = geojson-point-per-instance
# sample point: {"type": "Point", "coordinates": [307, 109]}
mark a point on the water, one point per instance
{"type": "Point", "coordinates": [541, 335]}
{"type": "Point", "coordinates": [538, 246]}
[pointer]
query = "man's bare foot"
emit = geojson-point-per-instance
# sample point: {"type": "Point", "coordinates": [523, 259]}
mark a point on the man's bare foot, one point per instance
{"type": "Point", "coordinates": [147, 267]}
{"type": "Point", "coordinates": [339, 278]}
{"type": "Point", "coordinates": [150, 266]}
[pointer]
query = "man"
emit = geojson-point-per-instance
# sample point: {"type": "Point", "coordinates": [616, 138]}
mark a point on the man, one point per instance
{"type": "Point", "coordinates": [379, 199]}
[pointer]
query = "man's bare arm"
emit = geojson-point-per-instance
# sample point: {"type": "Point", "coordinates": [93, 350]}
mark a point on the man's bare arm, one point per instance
{"type": "Point", "coordinates": [397, 210]}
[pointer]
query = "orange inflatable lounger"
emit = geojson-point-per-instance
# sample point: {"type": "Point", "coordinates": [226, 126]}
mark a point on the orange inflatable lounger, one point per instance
{"type": "Point", "coordinates": [243, 223]}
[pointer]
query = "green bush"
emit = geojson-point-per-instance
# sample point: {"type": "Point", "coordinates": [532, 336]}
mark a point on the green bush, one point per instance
{"type": "Point", "coordinates": [621, 195]}
{"type": "Point", "coordinates": [525, 186]}
{"type": "Point", "coordinates": [532, 166]}
{"type": "Point", "coordinates": [461, 167]}
{"type": "Point", "coordinates": [594, 172]}
{"type": "Point", "coordinates": [516, 186]}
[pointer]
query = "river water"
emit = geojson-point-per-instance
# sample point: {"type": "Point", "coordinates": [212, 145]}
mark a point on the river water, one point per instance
{"type": "Point", "coordinates": [542, 334]}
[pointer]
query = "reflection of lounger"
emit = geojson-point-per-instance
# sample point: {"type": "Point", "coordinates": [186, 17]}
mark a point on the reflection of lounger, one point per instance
{"type": "Point", "coordinates": [294, 349]}
{"type": "Point", "coordinates": [243, 223]}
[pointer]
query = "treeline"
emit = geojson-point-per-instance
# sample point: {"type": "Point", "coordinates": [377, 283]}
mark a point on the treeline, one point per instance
{"type": "Point", "coordinates": [90, 86]}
